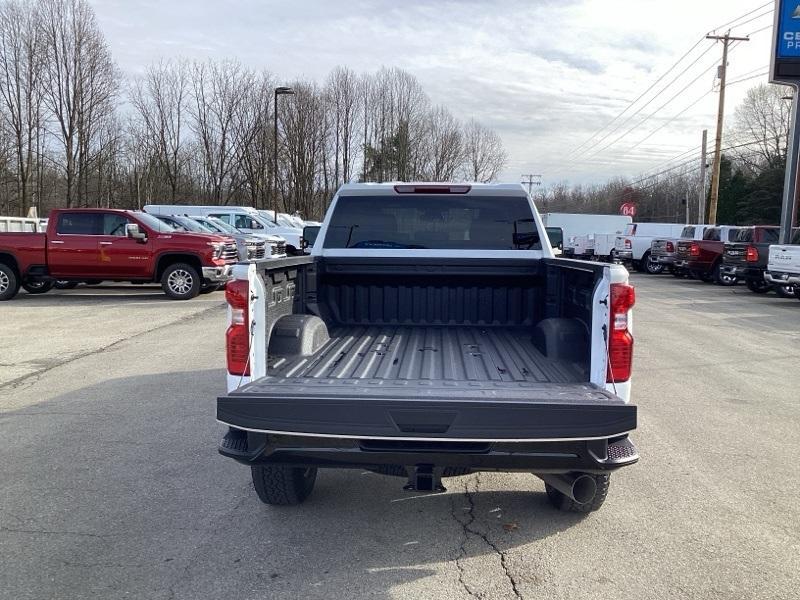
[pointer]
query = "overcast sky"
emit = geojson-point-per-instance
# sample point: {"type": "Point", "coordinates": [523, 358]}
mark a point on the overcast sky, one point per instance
{"type": "Point", "coordinates": [545, 74]}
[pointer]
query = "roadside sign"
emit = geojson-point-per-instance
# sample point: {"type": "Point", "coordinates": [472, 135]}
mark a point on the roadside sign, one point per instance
{"type": "Point", "coordinates": [785, 69]}
{"type": "Point", "coordinates": [627, 209]}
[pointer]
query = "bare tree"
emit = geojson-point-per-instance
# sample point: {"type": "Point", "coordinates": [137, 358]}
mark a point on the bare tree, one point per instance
{"type": "Point", "coordinates": [21, 90]}
{"type": "Point", "coordinates": [484, 154]}
{"type": "Point", "coordinates": [762, 122]}
{"type": "Point", "coordinates": [444, 144]}
{"type": "Point", "coordinates": [218, 92]}
{"type": "Point", "coordinates": [161, 99]}
{"type": "Point", "coordinates": [79, 82]}
{"type": "Point", "coordinates": [342, 95]}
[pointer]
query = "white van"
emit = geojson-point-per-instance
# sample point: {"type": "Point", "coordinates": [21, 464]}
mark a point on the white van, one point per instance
{"type": "Point", "coordinates": [634, 245]}
{"type": "Point", "coordinates": [243, 218]}
{"type": "Point", "coordinates": [587, 235]}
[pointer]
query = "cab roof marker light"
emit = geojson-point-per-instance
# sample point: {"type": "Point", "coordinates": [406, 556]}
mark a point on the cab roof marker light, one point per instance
{"type": "Point", "coordinates": [432, 189]}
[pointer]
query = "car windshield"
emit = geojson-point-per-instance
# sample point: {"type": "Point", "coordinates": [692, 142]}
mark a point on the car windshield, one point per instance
{"type": "Point", "coordinates": [219, 225]}
{"type": "Point", "coordinates": [192, 225]}
{"type": "Point", "coordinates": [688, 232]}
{"type": "Point", "coordinates": [438, 221]}
{"type": "Point", "coordinates": [743, 235]}
{"type": "Point", "coordinates": [154, 223]}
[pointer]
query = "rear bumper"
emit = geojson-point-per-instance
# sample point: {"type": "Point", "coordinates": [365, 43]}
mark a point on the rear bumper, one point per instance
{"type": "Point", "coordinates": [218, 274]}
{"type": "Point", "coordinates": [623, 255]}
{"type": "Point", "coordinates": [663, 259]}
{"type": "Point", "coordinates": [454, 458]}
{"type": "Point", "coordinates": [742, 271]}
{"type": "Point", "coordinates": [782, 278]}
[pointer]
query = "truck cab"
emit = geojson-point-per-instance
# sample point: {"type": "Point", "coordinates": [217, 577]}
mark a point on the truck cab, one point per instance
{"type": "Point", "coordinates": [430, 333]}
{"type": "Point", "coordinates": [113, 245]}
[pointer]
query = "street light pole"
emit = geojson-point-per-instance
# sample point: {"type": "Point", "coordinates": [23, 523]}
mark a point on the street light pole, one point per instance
{"type": "Point", "coordinates": [279, 91]}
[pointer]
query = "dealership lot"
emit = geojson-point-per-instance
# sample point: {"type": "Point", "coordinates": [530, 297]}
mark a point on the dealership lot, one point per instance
{"type": "Point", "coordinates": [110, 485]}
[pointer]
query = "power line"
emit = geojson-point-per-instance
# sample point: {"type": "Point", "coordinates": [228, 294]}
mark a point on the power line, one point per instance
{"type": "Point", "coordinates": [642, 95]}
{"type": "Point", "coordinates": [747, 14]}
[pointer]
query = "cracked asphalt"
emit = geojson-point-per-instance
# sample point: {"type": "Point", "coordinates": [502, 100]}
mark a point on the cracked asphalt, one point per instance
{"type": "Point", "coordinates": [111, 486]}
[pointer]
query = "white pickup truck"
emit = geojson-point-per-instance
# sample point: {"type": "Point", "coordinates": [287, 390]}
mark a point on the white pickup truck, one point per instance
{"type": "Point", "coordinates": [633, 246]}
{"type": "Point", "coordinates": [430, 333]}
{"type": "Point", "coordinates": [783, 267]}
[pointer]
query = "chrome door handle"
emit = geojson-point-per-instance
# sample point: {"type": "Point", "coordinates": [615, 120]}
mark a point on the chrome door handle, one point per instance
{"type": "Point", "coordinates": [106, 243]}
{"type": "Point", "coordinates": [55, 242]}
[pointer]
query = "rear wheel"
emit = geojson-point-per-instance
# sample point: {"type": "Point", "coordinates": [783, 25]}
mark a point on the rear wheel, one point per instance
{"type": "Point", "coordinates": [283, 486]}
{"type": "Point", "coordinates": [653, 268]}
{"type": "Point", "coordinates": [758, 286]}
{"type": "Point", "coordinates": [721, 278]}
{"type": "Point", "coordinates": [180, 281]}
{"type": "Point", "coordinates": [9, 283]}
{"type": "Point", "coordinates": [37, 286]}
{"type": "Point", "coordinates": [567, 504]}
{"type": "Point", "coordinates": [786, 291]}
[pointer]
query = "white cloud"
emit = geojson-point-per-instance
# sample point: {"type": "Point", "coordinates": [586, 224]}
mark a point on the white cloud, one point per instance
{"type": "Point", "coordinates": [544, 74]}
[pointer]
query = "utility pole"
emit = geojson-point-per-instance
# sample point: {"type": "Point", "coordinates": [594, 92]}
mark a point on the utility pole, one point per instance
{"type": "Point", "coordinates": [531, 181]}
{"type": "Point", "coordinates": [723, 70]}
{"type": "Point", "coordinates": [701, 218]}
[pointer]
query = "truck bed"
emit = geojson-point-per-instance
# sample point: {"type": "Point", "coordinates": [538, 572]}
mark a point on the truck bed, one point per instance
{"type": "Point", "coordinates": [478, 356]}
{"type": "Point", "coordinates": [442, 382]}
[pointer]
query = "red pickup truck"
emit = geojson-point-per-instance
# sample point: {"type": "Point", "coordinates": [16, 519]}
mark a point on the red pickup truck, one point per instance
{"type": "Point", "coordinates": [702, 259]}
{"type": "Point", "coordinates": [113, 245]}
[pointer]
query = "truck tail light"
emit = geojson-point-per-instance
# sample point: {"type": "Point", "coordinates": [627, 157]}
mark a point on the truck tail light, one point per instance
{"type": "Point", "coordinates": [694, 249]}
{"type": "Point", "coordinates": [670, 247]}
{"type": "Point", "coordinates": [752, 254]}
{"type": "Point", "coordinates": [620, 340]}
{"type": "Point", "coordinates": [628, 244]}
{"type": "Point", "coordinates": [237, 337]}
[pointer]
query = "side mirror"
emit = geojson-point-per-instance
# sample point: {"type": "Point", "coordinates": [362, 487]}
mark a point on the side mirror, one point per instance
{"type": "Point", "coordinates": [310, 233]}
{"type": "Point", "coordinates": [556, 235]}
{"type": "Point", "coordinates": [132, 231]}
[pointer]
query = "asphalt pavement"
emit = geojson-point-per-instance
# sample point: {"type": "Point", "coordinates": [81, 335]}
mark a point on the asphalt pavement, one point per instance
{"type": "Point", "coordinates": [111, 485]}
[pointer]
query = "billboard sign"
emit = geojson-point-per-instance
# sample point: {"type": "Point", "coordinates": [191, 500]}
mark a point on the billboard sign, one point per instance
{"type": "Point", "coordinates": [785, 60]}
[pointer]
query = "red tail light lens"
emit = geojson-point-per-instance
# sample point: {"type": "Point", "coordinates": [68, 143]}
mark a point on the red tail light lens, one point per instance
{"type": "Point", "coordinates": [752, 254]}
{"type": "Point", "coordinates": [620, 341]}
{"type": "Point", "coordinates": [628, 244]}
{"type": "Point", "coordinates": [670, 247]}
{"type": "Point", "coordinates": [237, 337]}
{"type": "Point", "coordinates": [694, 249]}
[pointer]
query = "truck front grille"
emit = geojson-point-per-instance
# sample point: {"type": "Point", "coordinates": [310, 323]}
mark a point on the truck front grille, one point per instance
{"type": "Point", "coordinates": [256, 250]}
{"type": "Point", "coordinates": [278, 249]}
{"type": "Point", "coordinates": [230, 253]}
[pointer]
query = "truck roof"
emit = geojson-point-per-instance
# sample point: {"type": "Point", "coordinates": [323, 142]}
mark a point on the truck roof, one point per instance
{"type": "Point", "coordinates": [393, 188]}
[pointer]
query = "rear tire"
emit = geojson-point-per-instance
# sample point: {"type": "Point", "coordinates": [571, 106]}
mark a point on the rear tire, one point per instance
{"type": "Point", "coordinates": [9, 283]}
{"type": "Point", "coordinates": [786, 291]}
{"type": "Point", "coordinates": [653, 268]}
{"type": "Point", "coordinates": [567, 504]}
{"type": "Point", "coordinates": [721, 279]}
{"type": "Point", "coordinates": [758, 286]}
{"type": "Point", "coordinates": [38, 287]}
{"type": "Point", "coordinates": [283, 486]}
{"type": "Point", "coordinates": [181, 281]}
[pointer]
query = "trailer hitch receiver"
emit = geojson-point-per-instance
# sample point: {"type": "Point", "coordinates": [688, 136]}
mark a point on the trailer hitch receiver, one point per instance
{"type": "Point", "coordinates": [424, 478]}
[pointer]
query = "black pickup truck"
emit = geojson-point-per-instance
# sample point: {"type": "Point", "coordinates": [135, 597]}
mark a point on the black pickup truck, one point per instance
{"type": "Point", "coordinates": [746, 258]}
{"type": "Point", "coordinates": [430, 333]}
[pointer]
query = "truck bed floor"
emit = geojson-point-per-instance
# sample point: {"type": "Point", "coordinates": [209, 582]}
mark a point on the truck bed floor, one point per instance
{"type": "Point", "coordinates": [420, 353]}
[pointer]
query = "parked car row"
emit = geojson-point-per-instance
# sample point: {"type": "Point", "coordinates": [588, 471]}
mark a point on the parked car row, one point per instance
{"type": "Point", "coordinates": [722, 254]}
{"type": "Point", "coordinates": [189, 250]}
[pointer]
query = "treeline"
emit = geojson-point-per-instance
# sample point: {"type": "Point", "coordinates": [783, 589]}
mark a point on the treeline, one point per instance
{"type": "Point", "coordinates": [751, 176]}
{"type": "Point", "coordinates": [74, 131]}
